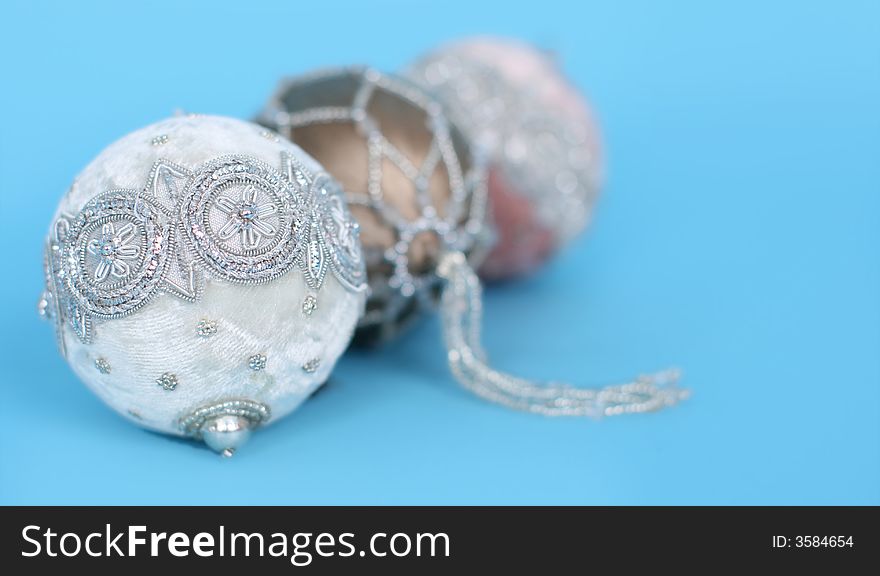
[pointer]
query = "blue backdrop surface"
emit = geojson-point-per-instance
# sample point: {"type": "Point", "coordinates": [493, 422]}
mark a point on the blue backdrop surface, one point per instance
{"type": "Point", "coordinates": [737, 238]}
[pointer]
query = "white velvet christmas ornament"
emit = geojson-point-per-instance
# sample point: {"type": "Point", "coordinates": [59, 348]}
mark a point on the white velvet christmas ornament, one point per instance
{"type": "Point", "coordinates": [203, 275]}
{"type": "Point", "coordinates": [541, 138]}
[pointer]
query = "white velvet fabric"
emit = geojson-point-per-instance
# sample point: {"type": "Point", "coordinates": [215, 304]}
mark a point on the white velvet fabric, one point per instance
{"type": "Point", "coordinates": [251, 319]}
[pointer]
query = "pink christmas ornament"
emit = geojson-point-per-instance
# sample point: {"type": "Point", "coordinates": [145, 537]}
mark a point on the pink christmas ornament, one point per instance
{"type": "Point", "coordinates": [542, 141]}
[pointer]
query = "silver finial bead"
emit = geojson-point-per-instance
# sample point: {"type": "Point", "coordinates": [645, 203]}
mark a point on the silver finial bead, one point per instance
{"type": "Point", "coordinates": [226, 434]}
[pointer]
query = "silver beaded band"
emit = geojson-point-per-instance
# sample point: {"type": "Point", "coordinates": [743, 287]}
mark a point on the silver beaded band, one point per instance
{"type": "Point", "coordinates": [233, 218]}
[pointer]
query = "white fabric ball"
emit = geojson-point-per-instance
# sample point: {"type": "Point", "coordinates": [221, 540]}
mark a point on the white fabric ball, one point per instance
{"type": "Point", "coordinates": [256, 285]}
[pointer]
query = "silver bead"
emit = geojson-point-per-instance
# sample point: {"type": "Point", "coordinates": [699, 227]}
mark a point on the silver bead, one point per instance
{"type": "Point", "coordinates": [102, 365]}
{"type": "Point", "coordinates": [312, 365]}
{"type": "Point", "coordinates": [168, 381]}
{"type": "Point", "coordinates": [226, 434]}
{"type": "Point", "coordinates": [43, 307]}
{"type": "Point", "coordinates": [257, 362]}
{"type": "Point", "coordinates": [309, 305]}
{"type": "Point", "coordinates": [206, 328]}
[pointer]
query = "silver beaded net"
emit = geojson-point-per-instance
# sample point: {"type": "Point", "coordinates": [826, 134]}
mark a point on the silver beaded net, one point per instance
{"type": "Point", "coordinates": [412, 181]}
{"type": "Point", "coordinates": [406, 273]}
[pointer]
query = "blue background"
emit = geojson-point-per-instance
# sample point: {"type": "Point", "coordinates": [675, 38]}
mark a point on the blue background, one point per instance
{"type": "Point", "coordinates": [737, 238]}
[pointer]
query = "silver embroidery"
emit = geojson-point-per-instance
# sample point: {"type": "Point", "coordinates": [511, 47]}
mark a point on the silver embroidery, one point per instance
{"type": "Point", "coordinates": [234, 218]}
{"type": "Point", "coordinates": [165, 184]}
{"type": "Point", "coordinates": [112, 249]}
{"type": "Point", "coordinates": [257, 362]}
{"type": "Point", "coordinates": [338, 232]}
{"type": "Point", "coordinates": [112, 258]}
{"type": "Point", "coordinates": [254, 412]}
{"type": "Point", "coordinates": [244, 220]}
{"type": "Point", "coordinates": [102, 365]}
{"type": "Point", "coordinates": [311, 366]}
{"type": "Point", "coordinates": [50, 303]}
{"type": "Point", "coordinates": [309, 305]}
{"type": "Point", "coordinates": [206, 328]}
{"type": "Point", "coordinates": [167, 381]}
